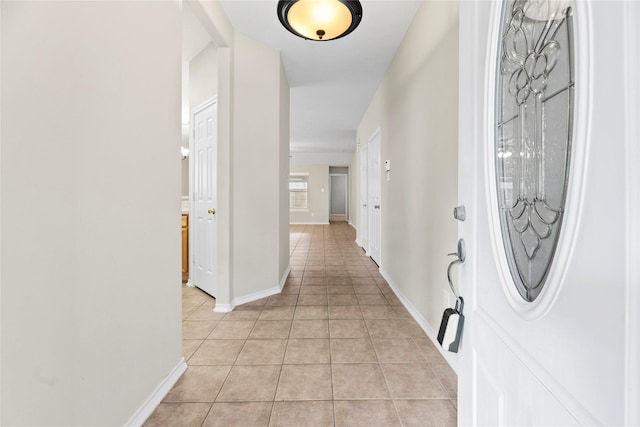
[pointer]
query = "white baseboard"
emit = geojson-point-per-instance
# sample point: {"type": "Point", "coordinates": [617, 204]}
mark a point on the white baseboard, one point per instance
{"type": "Point", "coordinates": [223, 308]}
{"type": "Point", "coordinates": [283, 279]}
{"type": "Point", "coordinates": [257, 295]}
{"type": "Point", "coordinates": [152, 402]}
{"type": "Point", "coordinates": [451, 358]}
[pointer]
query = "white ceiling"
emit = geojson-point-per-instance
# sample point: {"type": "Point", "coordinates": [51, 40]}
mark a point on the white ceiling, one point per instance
{"type": "Point", "coordinates": [331, 82]}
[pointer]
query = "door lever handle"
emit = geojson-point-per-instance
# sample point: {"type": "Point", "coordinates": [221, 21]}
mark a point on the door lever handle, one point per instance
{"type": "Point", "coordinates": [460, 257]}
{"type": "Point", "coordinates": [212, 211]}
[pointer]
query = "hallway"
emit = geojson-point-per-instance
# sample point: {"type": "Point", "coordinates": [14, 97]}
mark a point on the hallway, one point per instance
{"type": "Point", "coordinates": [336, 348]}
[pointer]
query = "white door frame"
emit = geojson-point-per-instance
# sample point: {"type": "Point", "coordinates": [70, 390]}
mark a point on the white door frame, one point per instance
{"type": "Point", "coordinates": [362, 238]}
{"type": "Point", "coordinates": [377, 134]}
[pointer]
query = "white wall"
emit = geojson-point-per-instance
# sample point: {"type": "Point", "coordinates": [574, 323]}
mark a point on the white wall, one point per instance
{"type": "Point", "coordinates": [416, 108]}
{"type": "Point", "coordinates": [90, 178]}
{"type": "Point", "coordinates": [203, 77]}
{"type": "Point", "coordinates": [260, 161]}
{"type": "Point", "coordinates": [317, 195]}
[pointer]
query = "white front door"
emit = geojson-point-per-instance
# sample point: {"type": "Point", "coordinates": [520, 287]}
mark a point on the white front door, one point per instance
{"type": "Point", "coordinates": [363, 227]}
{"type": "Point", "coordinates": [570, 356]}
{"type": "Point", "coordinates": [203, 225]}
{"type": "Point", "coordinates": [374, 206]}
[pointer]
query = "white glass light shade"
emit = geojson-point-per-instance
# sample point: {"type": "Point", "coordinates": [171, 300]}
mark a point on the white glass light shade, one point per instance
{"type": "Point", "coordinates": [320, 20]}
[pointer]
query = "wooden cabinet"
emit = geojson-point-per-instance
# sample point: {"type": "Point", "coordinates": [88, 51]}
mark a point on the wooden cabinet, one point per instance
{"type": "Point", "coordinates": [185, 247]}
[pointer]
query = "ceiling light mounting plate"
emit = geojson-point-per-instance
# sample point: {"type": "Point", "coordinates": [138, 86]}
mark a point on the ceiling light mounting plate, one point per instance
{"type": "Point", "coordinates": [320, 20]}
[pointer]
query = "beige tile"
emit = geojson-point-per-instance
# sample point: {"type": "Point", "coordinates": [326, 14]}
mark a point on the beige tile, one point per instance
{"type": "Point", "coordinates": [401, 313]}
{"type": "Point", "coordinates": [447, 377]}
{"type": "Point", "coordinates": [378, 312]}
{"type": "Point", "coordinates": [253, 305]}
{"type": "Point", "coordinates": [232, 330]}
{"type": "Point", "coordinates": [366, 413]}
{"type": "Point", "coordinates": [393, 299]}
{"type": "Point", "coordinates": [352, 350]}
{"type": "Point", "coordinates": [338, 280]}
{"type": "Point", "coordinates": [187, 311]}
{"type": "Point", "coordinates": [250, 383]}
{"type": "Point", "coordinates": [302, 414]}
{"type": "Point", "coordinates": [358, 381]}
{"type": "Point", "coordinates": [262, 352]}
{"type": "Point", "coordinates": [243, 315]}
{"type": "Point", "coordinates": [352, 328]}
{"type": "Point", "coordinates": [312, 300]}
{"type": "Point", "coordinates": [313, 282]}
{"type": "Point", "coordinates": [342, 300]}
{"type": "Point", "coordinates": [397, 350]}
{"type": "Point", "coordinates": [411, 329]}
{"type": "Point", "coordinates": [454, 402]}
{"type": "Point", "coordinates": [311, 313]}
{"type": "Point", "coordinates": [427, 413]}
{"type": "Point", "coordinates": [282, 300]}
{"type": "Point", "coordinates": [271, 329]}
{"type": "Point", "coordinates": [428, 350]}
{"type": "Point", "coordinates": [412, 381]}
{"type": "Point", "coordinates": [345, 312]}
{"type": "Point", "coordinates": [179, 415]}
{"type": "Point", "coordinates": [366, 289]}
{"type": "Point", "coordinates": [277, 313]}
{"type": "Point", "coordinates": [205, 313]}
{"type": "Point", "coordinates": [198, 384]}
{"type": "Point", "coordinates": [387, 328]}
{"type": "Point", "coordinates": [240, 414]}
{"type": "Point", "coordinates": [217, 352]}
{"type": "Point", "coordinates": [313, 290]}
{"type": "Point", "coordinates": [307, 351]}
{"type": "Point", "coordinates": [290, 289]}
{"type": "Point", "coordinates": [372, 299]}
{"type": "Point", "coordinates": [340, 290]}
{"type": "Point", "coordinates": [194, 298]}
{"type": "Point", "coordinates": [189, 347]}
{"type": "Point", "coordinates": [310, 329]}
{"type": "Point", "coordinates": [304, 382]}
{"type": "Point", "coordinates": [197, 329]}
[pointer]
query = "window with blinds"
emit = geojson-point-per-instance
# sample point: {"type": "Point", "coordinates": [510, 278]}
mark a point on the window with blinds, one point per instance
{"type": "Point", "coordinates": [298, 186]}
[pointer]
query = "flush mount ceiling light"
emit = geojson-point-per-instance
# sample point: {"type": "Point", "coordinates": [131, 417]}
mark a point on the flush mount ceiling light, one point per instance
{"type": "Point", "coordinates": [320, 20]}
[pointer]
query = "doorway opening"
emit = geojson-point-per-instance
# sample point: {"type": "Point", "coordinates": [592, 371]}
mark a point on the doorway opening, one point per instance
{"type": "Point", "coordinates": [338, 194]}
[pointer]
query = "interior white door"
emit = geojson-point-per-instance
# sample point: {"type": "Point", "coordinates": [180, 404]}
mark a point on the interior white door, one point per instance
{"type": "Point", "coordinates": [374, 189]}
{"type": "Point", "coordinates": [363, 224]}
{"type": "Point", "coordinates": [203, 225]}
{"type": "Point", "coordinates": [569, 357]}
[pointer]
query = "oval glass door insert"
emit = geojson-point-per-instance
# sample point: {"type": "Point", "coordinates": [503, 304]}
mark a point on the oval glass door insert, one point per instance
{"type": "Point", "coordinates": [534, 117]}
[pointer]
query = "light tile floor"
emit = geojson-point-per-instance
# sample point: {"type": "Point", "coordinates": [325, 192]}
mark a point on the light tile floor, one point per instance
{"type": "Point", "coordinates": [336, 348]}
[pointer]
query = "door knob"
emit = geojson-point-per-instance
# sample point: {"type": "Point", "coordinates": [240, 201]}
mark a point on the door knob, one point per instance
{"type": "Point", "coordinates": [212, 211]}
